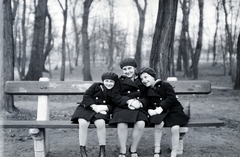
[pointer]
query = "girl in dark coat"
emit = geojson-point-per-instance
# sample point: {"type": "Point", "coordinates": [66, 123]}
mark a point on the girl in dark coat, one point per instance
{"type": "Point", "coordinates": [96, 108]}
{"type": "Point", "coordinates": [164, 109]}
{"type": "Point", "coordinates": [130, 102]}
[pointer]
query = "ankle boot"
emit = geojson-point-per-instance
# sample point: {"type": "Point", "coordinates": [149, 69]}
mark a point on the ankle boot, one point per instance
{"type": "Point", "coordinates": [102, 152]}
{"type": "Point", "coordinates": [83, 152]}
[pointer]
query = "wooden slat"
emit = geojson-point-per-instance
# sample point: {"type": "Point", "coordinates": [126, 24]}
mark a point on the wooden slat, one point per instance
{"type": "Point", "coordinates": [69, 124]}
{"type": "Point", "coordinates": [79, 87]}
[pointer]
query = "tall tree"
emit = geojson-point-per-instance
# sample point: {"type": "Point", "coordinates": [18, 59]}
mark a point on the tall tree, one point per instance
{"type": "Point", "coordinates": [215, 34]}
{"type": "Point", "coordinates": [86, 52]}
{"type": "Point", "coordinates": [198, 49]}
{"type": "Point", "coordinates": [36, 60]}
{"type": "Point", "coordinates": [1, 56]}
{"type": "Point", "coordinates": [8, 54]}
{"type": "Point", "coordinates": [183, 52]}
{"type": "Point", "coordinates": [162, 45]}
{"type": "Point", "coordinates": [141, 13]}
{"type": "Point", "coordinates": [111, 35]}
{"type": "Point", "coordinates": [229, 36]}
{"type": "Point", "coordinates": [237, 80]}
{"type": "Point", "coordinates": [65, 10]}
{"type": "Point", "coordinates": [76, 29]}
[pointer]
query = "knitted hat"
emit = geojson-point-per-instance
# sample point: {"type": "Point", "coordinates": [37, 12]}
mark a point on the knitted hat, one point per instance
{"type": "Point", "coordinates": [148, 70]}
{"type": "Point", "coordinates": [109, 75]}
{"type": "Point", "coordinates": [128, 62]}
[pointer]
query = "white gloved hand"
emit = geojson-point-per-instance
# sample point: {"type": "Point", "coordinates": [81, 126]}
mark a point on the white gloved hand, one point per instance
{"type": "Point", "coordinates": [129, 102]}
{"type": "Point", "coordinates": [159, 110]}
{"type": "Point", "coordinates": [152, 112]}
{"type": "Point", "coordinates": [100, 108]}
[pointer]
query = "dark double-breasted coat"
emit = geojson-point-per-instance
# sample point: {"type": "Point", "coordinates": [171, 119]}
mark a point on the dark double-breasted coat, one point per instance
{"type": "Point", "coordinates": [126, 90]}
{"type": "Point", "coordinates": [163, 94]}
{"type": "Point", "coordinates": [97, 94]}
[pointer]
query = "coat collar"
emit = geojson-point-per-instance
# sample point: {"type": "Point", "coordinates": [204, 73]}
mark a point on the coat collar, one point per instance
{"type": "Point", "coordinates": [129, 82]}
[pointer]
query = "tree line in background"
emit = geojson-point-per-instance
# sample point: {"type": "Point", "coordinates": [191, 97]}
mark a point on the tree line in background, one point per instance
{"type": "Point", "coordinates": [29, 38]}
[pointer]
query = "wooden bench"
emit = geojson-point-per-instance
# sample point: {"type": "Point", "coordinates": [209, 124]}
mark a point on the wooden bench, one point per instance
{"type": "Point", "coordinates": [44, 88]}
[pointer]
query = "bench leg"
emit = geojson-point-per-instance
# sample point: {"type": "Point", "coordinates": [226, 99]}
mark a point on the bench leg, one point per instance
{"type": "Point", "coordinates": [183, 131]}
{"type": "Point", "coordinates": [41, 144]}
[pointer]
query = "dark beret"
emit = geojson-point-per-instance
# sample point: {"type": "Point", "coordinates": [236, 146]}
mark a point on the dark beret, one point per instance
{"type": "Point", "coordinates": [128, 62]}
{"type": "Point", "coordinates": [148, 70]}
{"type": "Point", "coordinates": [109, 75]}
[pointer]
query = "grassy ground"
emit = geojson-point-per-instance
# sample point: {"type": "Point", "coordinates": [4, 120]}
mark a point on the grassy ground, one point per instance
{"type": "Point", "coordinates": [222, 103]}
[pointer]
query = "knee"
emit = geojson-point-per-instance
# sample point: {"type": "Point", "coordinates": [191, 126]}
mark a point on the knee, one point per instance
{"type": "Point", "coordinates": [83, 122]}
{"type": "Point", "coordinates": [122, 126]}
{"type": "Point", "coordinates": [159, 127]}
{"type": "Point", "coordinates": [175, 129]}
{"type": "Point", "coordinates": [140, 125]}
{"type": "Point", "coordinates": [100, 123]}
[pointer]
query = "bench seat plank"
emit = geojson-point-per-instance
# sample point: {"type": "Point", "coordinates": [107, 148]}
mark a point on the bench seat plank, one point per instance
{"type": "Point", "coordinates": [79, 87]}
{"type": "Point", "coordinates": [69, 124]}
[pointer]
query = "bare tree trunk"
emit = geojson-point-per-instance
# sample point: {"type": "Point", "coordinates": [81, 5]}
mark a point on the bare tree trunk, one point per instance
{"type": "Point", "coordinates": [162, 45]}
{"type": "Point", "coordinates": [86, 52]}
{"type": "Point", "coordinates": [8, 55]}
{"type": "Point", "coordinates": [36, 60]}
{"type": "Point", "coordinates": [183, 46]}
{"type": "Point", "coordinates": [215, 34]}
{"type": "Point", "coordinates": [24, 42]}
{"type": "Point", "coordinates": [110, 43]}
{"type": "Point", "coordinates": [62, 75]}
{"type": "Point", "coordinates": [76, 31]}
{"type": "Point", "coordinates": [229, 37]}
{"type": "Point", "coordinates": [141, 12]}
{"type": "Point", "coordinates": [50, 42]}
{"type": "Point", "coordinates": [196, 55]}
{"type": "Point", "coordinates": [1, 56]}
{"type": "Point", "coordinates": [237, 80]}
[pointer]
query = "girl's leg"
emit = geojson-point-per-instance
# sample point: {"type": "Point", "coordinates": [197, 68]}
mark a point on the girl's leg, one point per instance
{"type": "Point", "coordinates": [175, 140]}
{"type": "Point", "coordinates": [137, 133]}
{"type": "Point", "coordinates": [101, 133]}
{"type": "Point", "coordinates": [158, 137]}
{"type": "Point", "coordinates": [122, 130]}
{"type": "Point", "coordinates": [83, 128]}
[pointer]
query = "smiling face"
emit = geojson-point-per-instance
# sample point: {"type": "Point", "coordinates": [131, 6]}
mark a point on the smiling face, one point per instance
{"type": "Point", "coordinates": [147, 79]}
{"type": "Point", "coordinates": [129, 71]}
{"type": "Point", "coordinates": [108, 83]}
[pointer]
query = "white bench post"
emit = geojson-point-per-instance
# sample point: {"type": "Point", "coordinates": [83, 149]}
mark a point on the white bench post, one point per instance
{"type": "Point", "coordinates": [183, 130]}
{"type": "Point", "coordinates": [41, 136]}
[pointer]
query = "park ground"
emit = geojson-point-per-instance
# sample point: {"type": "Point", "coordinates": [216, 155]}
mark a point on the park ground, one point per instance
{"type": "Point", "coordinates": [222, 103]}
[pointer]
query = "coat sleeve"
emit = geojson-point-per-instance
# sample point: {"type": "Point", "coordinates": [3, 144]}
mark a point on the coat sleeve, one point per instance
{"type": "Point", "coordinates": [118, 99]}
{"type": "Point", "coordinates": [170, 97]}
{"type": "Point", "coordinates": [87, 96]}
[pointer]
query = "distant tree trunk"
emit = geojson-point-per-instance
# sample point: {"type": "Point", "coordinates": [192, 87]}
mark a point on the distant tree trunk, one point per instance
{"type": "Point", "coordinates": [196, 55]}
{"type": "Point", "coordinates": [77, 31]}
{"type": "Point", "coordinates": [215, 35]}
{"type": "Point", "coordinates": [62, 74]}
{"type": "Point", "coordinates": [237, 80]}
{"type": "Point", "coordinates": [50, 43]}
{"type": "Point", "coordinates": [229, 37]}
{"type": "Point", "coordinates": [86, 52]}
{"type": "Point", "coordinates": [36, 60]}
{"type": "Point", "coordinates": [183, 46]}
{"type": "Point", "coordinates": [8, 55]}
{"type": "Point", "coordinates": [111, 38]}
{"type": "Point", "coordinates": [24, 43]}
{"type": "Point", "coordinates": [1, 56]}
{"type": "Point", "coordinates": [141, 12]}
{"type": "Point", "coordinates": [162, 45]}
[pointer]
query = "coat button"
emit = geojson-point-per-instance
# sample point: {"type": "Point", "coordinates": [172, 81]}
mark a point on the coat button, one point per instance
{"type": "Point", "coordinates": [159, 86]}
{"type": "Point", "coordinates": [104, 101]}
{"type": "Point", "coordinates": [160, 98]}
{"type": "Point", "coordinates": [96, 97]}
{"type": "Point", "coordinates": [128, 91]}
{"type": "Point", "coordinates": [155, 103]}
{"type": "Point", "coordinates": [137, 97]}
{"type": "Point", "coordinates": [138, 90]}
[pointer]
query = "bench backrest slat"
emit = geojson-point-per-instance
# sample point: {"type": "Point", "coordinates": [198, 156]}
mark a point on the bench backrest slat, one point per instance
{"type": "Point", "coordinates": [79, 87]}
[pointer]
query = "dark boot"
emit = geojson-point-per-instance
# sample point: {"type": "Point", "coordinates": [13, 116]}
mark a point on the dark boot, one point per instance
{"type": "Point", "coordinates": [102, 152]}
{"type": "Point", "coordinates": [83, 152]}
